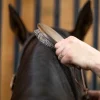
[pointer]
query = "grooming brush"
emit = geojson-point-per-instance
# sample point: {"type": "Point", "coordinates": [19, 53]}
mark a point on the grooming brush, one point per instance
{"type": "Point", "coordinates": [47, 35]}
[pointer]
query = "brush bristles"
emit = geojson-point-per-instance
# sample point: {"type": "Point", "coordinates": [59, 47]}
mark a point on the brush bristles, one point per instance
{"type": "Point", "coordinates": [42, 38]}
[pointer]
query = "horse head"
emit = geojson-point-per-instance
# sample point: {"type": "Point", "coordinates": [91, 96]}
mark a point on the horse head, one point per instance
{"type": "Point", "coordinates": [40, 75]}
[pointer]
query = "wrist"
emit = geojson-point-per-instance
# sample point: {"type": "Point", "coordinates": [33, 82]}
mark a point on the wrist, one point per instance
{"type": "Point", "coordinates": [96, 69]}
{"type": "Point", "coordinates": [96, 64]}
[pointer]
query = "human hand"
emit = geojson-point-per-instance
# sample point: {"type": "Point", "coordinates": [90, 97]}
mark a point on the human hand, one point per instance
{"type": "Point", "coordinates": [75, 51]}
{"type": "Point", "coordinates": [94, 95]}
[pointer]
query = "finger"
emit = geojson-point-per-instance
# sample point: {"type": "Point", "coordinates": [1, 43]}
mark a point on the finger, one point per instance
{"type": "Point", "coordinates": [60, 56]}
{"type": "Point", "coordinates": [66, 59]}
{"type": "Point", "coordinates": [65, 50]}
{"type": "Point", "coordinates": [57, 45]}
{"type": "Point", "coordinates": [60, 49]}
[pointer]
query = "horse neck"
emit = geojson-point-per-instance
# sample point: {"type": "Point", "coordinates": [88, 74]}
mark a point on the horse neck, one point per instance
{"type": "Point", "coordinates": [28, 48]}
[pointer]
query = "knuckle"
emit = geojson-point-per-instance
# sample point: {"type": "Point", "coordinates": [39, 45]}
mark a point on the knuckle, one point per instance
{"type": "Point", "coordinates": [56, 45]}
{"type": "Point", "coordinates": [57, 52]}
{"type": "Point", "coordinates": [66, 59]}
{"type": "Point", "coordinates": [69, 57]}
{"type": "Point", "coordinates": [63, 61]}
{"type": "Point", "coordinates": [71, 39]}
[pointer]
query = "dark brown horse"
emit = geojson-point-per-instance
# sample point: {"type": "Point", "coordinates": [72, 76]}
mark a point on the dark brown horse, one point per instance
{"type": "Point", "coordinates": [40, 75]}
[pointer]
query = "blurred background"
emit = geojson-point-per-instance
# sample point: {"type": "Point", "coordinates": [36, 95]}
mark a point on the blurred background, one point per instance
{"type": "Point", "coordinates": [60, 13]}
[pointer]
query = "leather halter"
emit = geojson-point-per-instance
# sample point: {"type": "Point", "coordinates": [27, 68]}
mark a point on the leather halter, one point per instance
{"type": "Point", "coordinates": [83, 86]}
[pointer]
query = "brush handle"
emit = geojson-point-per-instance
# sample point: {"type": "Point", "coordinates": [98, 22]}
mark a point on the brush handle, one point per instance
{"type": "Point", "coordinates": [50, 32]}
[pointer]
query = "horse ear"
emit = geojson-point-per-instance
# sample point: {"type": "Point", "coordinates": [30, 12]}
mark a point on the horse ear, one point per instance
{"type": "Point", "coordinates": [84, 22]}
{"type": "Point", "coordinates": [17, 25]}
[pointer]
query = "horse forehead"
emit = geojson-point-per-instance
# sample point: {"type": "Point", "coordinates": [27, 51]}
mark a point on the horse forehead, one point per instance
{"type": "Point", "coordinates": [37, 48]}
{"type": "Point", "coordinates": [43, 49]}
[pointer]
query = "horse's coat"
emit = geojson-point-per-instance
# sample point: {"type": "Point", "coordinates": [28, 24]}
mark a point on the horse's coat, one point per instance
{"type": "Point", "coordinates": [40, 75]}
